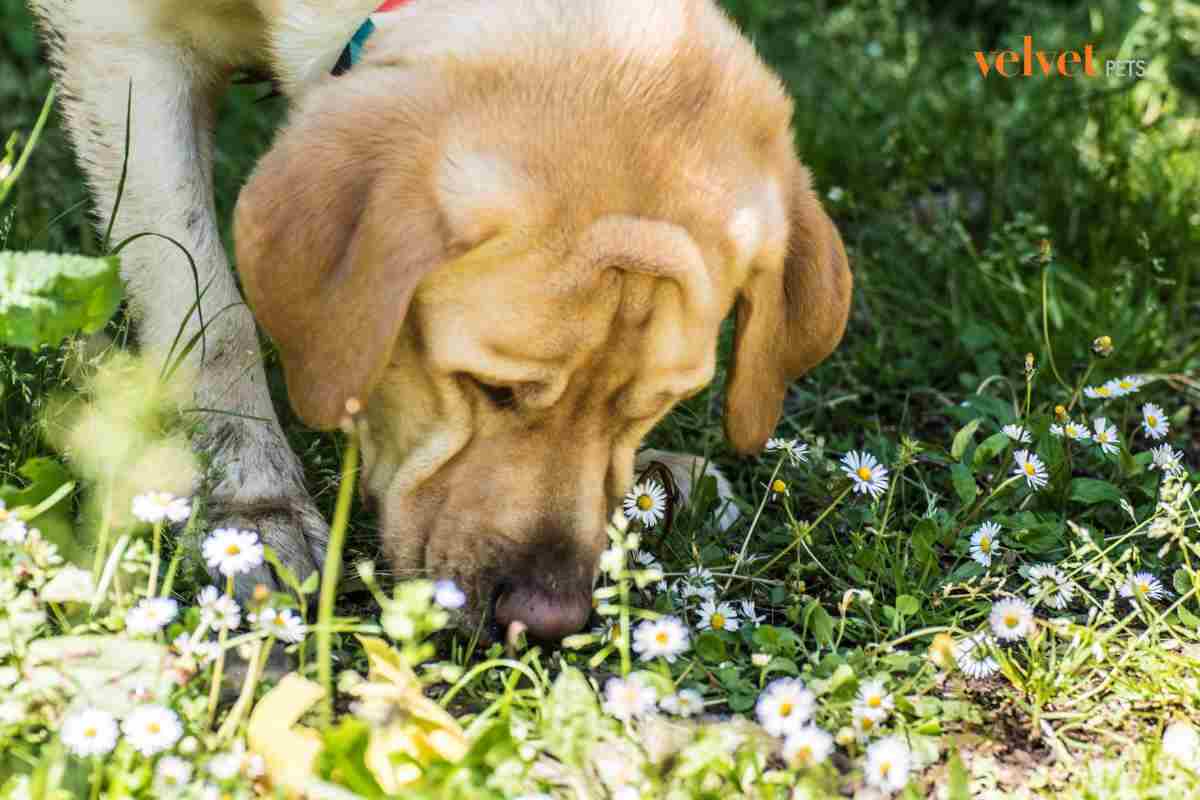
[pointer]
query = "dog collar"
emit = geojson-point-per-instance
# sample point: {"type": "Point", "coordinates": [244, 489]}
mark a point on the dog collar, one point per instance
{"type": "Point", "coordinates": [353, 52]}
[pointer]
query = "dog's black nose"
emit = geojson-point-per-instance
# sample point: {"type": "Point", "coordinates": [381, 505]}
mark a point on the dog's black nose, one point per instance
{"type": "Point", "coordinates": [547, 616]}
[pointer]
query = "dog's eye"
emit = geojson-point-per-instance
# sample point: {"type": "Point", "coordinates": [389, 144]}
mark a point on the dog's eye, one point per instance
{"type": "Point", "coordinates": [498, 396]}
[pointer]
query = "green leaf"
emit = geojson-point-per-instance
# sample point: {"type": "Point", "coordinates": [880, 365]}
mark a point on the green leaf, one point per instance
{"type": "Point", "coordinates": [989, 448]}
{"type": "Point", "coordinates": [821, 622]}
{"type": "Point", "coordinates": [344, 759]}
{"type": "Point", "coordinates": [959, 787]}
{"type": "Point", "coordinates": [1090, 491]}
{"type": "Point", "coordinates": [964, 484]}
{"type": "Point", "coordinates": [45, 298]}
{"type": "Point", "coordinates": [710, 647]}
{"type": "Point", "coordinates": [1182, 581]}
{"type": "Point", "coordinates": [963, 438]}
{"type": "Point", "coordinates": [907, 605]}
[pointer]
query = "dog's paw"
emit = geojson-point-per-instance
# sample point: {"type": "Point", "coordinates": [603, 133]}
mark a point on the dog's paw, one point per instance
{"type": "Point", "coordinates": [291, 527]}
{"type": "Point", "coordinates": [687, 470]}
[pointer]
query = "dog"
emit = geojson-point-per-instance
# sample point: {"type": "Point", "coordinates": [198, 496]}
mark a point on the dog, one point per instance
{"type": "Point", "coordinates": [508, 230]}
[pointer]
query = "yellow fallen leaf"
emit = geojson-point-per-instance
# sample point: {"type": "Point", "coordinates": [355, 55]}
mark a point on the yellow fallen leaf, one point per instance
{"type": "Point", "coordinates": [288, 751]}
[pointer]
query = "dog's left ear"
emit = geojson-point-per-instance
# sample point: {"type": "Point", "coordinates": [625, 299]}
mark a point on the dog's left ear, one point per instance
{"type": "Point", "coordinates": [787, 321]}
{"type": "Point", "coordinates": [333, 235]}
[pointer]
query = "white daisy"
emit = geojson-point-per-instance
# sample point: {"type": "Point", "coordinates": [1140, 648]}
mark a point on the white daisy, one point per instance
{"type": "Point", "coordinates": [1166, 458]}
{"type": "Point", "coordinates": [698, 582]}
{"type": "Point", "coordinates": [154, 507]}
{"type": "Point", "coordinates": [1106, 391]}
{"type": "Point", "coordinates": [1143, 585]}
{"type": "Point", "coordinates": [628, 698]}
{"type": "Point", "coordinates": [150, 616]}
{"type": "Point", "coordinates": [1074, 431]}
{"type": "Point", "coordinates": [1154, 421]}
{"type": "Point", "coordinates": [232, 551]}
{"type": "Point", "coordinates": [869, 476]}
{"type": "Point", "coordinates": [888, 764]}
{"type": "Point", "coordinates": [784, 706]}
{"type": "Point", "coordinates": [750, 613]}
{"type": "Point", "coordinates": [1011, 619]}
{"type": "Point", "coordinates": [1128, 385]}
{"type": "Point", "coordinates": [90, 732]}
{"type": "Point", "coordinates": [202, 651]}
{"type": "Point", "coordinates": [873, 695]}
{"type": "Point", "coordinates": [280, 623]}
{"type": "Point", "coordinates": [1181, 742]}
{"type": "Point", "coordinates": [666, 637]}
{"type": "Point", "coordinates": [219, 611]}
{"type": "Point", "coordinates": [1106, 435]}
{"type": "Point", "coordinates": [866, 721]}
{"type": "Point", "coordinates": [1050, 586]}
{"type": "Point", "coordinates": [447, 594]}
{"type": "Point", "coordinates": [807, 747]}
{"type": "Point", "coordinates": [684, 703]}
{"type": "Point", "coordinates": [70, 585]}
{"type": "Point", "coordinates": [1017, 433]}
{"type": "Point", "coordinates": [797, 452]}
{"type": "Point", "coordinates": [171, 775]}
{"type": "Point", "coordinates": [973, 656]}
{"type": "Point", "coordinates": [646, 503]}
{"type": "Point", "coordinates": [1031, 468]}
{"type": "Point", "coordinates": [718, 616]}
{"type": "Point", "coordinates": [985, 543]}
{"type": "Point", "coordinates": [12, 527]}
{"type": "Point", "coordinates": [152, 729]}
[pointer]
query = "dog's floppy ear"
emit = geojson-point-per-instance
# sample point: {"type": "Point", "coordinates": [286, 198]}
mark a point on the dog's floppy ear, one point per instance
{"type": "Point", "coordinates": [787, 321]}
{"type": "Point", "coordinates": [333, 236]}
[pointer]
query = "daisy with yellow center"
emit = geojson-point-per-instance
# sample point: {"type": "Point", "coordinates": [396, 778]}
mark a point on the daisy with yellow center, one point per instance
{"type": "Point", "coordinates": [1104, 392]}
{"type": "Point", "coordinates": [866, 473]}
{"type": "Point", "coordinates": [874, 696]}
{"type": "Point", "coordinates": [1072, 431]}
{"type": "Point", "coordinates": [1011, 619]}
{"type": "Point", "coordinates": [1154, 421]}
{"type": "Point", "coordinates": [797, 452]}
{"type": "Point", "coordinates": [717, 616]}
{"type": "Point", "coordinates": [90, 732]}
{"type": "Point", "coordinates": [785, 706]}
{"type": "Point", "coordinates": [807, 747]}
{"type": "Point", "coordinates": [866, 720]}
{"type": "Point", "coordinates": [889, 762]}
{"type": "Point", "coordinates": [666, 638]}
{"type": "Point", "coordinates": [1049, 586]}
{"type": "Point", "coordinates": [1031, 468]}
{"type": "Point", "coordinates": [646, 503]}
{"type": "Point", "coordinates": [152, 729]}
{"type": "Point", "coordinates": [1106, 435]}
{"type": "Point", "coordinates": [232, 551]}
{"type": "Point", "coordinates": [984, 543]}
{"type": "Point", "coordinates": [1143, 585]}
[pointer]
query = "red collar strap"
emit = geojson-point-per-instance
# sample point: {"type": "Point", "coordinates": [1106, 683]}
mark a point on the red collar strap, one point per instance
{"type": "Point", "coordinates": [353, 51]}
{"type": "Point", "coordinates": [391, 5]}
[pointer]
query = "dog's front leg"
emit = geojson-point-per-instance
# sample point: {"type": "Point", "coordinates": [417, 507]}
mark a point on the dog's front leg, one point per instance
{"type": "Point", "coordinates": [102, 53]}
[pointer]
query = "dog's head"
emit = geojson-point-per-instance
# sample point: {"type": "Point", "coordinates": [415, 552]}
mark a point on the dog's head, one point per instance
{"type": "Point", "coordinates": [519, 262]}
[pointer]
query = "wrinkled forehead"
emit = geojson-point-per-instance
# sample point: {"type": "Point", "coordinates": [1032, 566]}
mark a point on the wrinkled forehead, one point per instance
{"type": "Point", "coordinates": [540, 307]}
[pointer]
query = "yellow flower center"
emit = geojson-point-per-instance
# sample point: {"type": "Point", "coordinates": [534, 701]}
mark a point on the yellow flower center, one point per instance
{"type": "Point", "coordinates": [154, 727]}
{"type": "Point", "coordinates": [864, 473]}
{"type": "Point", "coordinates": [1011, 620]}
{"type": "Point", "coordinates": [785, 709]}
{"type": "Point", "coordinates": [804, 754]}
{"type": "Point", "coordinates": [985, 545]}
{"type": "Point", "coordinates": [1152, 420]}
{"type": "Point", "coordinates": [867, 723]}
{"type": "Point", "coordinates": [875, 701]}
{"type": "Point", "coordinates": [718, 620]}
{"type": "Point", "coordinates": [90, 733]}
{"type": "Point", "coordinates": [884, 768]}
{"type": "Point", "coordinates": [778, 486]}
{"type": "Point", "coordinates": [1030, 469]}
{"type": "Point", "coordinates": [232, 550]}
{"type": "Point", "coordinates": [662, 638]}
{"type": "Point", "coordinates": [1125, 385]}
{"type": "Point", "coordinates": [645, 502]}
{"type": "Point", "coordinates": [1103, 391]}
{"type": "Point", "coordinates": [1143, 587]}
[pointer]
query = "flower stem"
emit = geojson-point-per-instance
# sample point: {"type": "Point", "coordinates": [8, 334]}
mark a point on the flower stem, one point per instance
{"type": "Point", "coordinates": [754, 522]}
{"type": "Point", "coordinates": [331, 574]}
{"type": "Point", "coordinates": [795, 542]}
{"type": "Point", "coordinates": [214, 691]}
{"type": "Point", "coordinates": [155, 558]}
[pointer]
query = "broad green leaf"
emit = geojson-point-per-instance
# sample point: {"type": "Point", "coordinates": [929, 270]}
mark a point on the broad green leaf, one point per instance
{"type": "Point", "coordinates": [964, 484]}
{"type": "Point", "coordinates": [45, 298]}
{"type": "Point", "coordinates": [1182, 581]}
{"type": "Point", "coordinates": [959, 785]}
{"type": "Point", "coordinates": [820, 621]}
{"type": "Point", "coordinates": [989, 448]}
{"type": "Point", "coordinates": [1090, 491]}
{"type": "Point", "coordinates": [710, 647]}
{"type": "Point", "coordinates": [963, 438]}
{"type": "Point", "coordinates": [907, 605]}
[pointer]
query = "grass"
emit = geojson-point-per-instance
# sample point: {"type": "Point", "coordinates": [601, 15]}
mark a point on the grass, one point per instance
{"type": "Point", "coordinates": [986, 219]}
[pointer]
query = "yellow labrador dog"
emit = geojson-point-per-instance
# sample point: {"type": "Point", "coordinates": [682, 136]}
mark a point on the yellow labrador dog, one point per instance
{"type": "Point", "coordinates": [510, 231]}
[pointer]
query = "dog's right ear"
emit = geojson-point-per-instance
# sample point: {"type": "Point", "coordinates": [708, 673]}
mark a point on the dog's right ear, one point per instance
{"type": "Point", "coordinates": [333, 234]}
